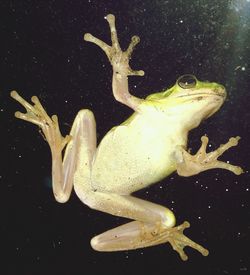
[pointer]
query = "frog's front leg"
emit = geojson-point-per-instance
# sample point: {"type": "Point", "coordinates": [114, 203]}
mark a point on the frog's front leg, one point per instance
{"type": "Point", "coordinates": [62, 170]}
{"type": "Point", "coordinates": [120, 63]}
{"type": "Point", "coordinates": [188, 165]}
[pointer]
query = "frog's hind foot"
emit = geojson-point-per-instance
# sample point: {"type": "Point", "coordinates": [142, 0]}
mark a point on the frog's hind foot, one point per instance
{"type": "Point", "coordinates": [178, 241]}
{"type": "Point", "coordinates": [36, 114]}
{"type": "Point", "coordinates": [136, 234]}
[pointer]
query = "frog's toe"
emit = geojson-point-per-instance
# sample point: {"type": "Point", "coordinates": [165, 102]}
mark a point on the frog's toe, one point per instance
{"type": "Point", "coordinates": [34, 113]}
{"type": "Point", "coordinates": [179, 241]}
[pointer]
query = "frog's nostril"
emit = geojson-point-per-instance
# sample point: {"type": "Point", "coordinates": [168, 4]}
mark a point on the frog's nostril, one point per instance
{"type": "Point", "coordinates": [220, 91]}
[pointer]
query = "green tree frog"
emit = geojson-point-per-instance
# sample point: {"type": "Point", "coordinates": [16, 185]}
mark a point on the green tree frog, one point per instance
{"type": "Point", "coordinates": [144, 149]}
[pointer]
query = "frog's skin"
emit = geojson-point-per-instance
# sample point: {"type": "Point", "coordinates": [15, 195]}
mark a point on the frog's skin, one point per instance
{"type": "Point", "coordinates": [144, 149]}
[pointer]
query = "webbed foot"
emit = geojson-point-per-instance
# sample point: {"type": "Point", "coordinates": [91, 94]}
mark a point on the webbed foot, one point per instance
{"type": "Point", "coordinates": [120, 62]}
{"type": "Point", "coordinates": [178, 241]}
{"type": "Point", "coordinates": [136, 234]}
{"type": "Point", "coordinates": [188, 165]}
{"type": "Point", "coordinates": [118, 59]}
{"type": "Point", "coordinates": [36, 114]}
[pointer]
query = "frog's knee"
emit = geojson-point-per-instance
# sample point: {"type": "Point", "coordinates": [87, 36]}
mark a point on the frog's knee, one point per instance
{"type": "Point", "coordinates": [85, 118]}
{"type": "Point", "coordinates": [85, 113]}
{"type": "Point", "coordinates": [169, 218]}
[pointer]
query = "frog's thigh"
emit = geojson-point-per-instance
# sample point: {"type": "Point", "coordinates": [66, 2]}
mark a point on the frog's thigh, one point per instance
{"type": "Point", "coordinates": [146, 215]}
{"type": "Point", "coordinates": [81, 149]}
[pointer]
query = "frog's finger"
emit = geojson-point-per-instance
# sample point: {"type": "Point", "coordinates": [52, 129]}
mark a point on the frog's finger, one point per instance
{"type": "Point", "coordinates": [233, 141]}
{"type": "Point", "coordinates": [134, 41]}
{"type": "Point", "coordinates": [139, 73]}
{"type": "Point", "coordinates": [237, 170]}
{"type": "Point", "coordinates": [105, 47]}
{"type": "Point", "coordinates": [202, 151]}
{"type": "Point", "coordinates": [115, 43]}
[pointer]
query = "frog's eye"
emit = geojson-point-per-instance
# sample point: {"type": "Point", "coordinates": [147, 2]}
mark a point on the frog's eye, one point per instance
{"type": "Point", "coordinates": [187, 81]}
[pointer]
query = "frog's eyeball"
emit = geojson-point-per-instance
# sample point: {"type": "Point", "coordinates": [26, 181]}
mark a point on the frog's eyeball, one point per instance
{"type": "Point", "coordinates": [187, 81]}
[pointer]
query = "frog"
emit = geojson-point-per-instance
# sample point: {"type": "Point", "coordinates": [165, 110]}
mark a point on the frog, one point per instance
{"type": "Point", "coordinates": [143, 150]}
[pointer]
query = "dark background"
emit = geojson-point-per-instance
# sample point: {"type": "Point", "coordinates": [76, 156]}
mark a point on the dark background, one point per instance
{"type": "Point", "coordinates": [42, 53]}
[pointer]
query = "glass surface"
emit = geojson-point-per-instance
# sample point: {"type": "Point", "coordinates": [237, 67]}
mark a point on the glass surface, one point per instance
{"type": "Point", "coordinates": [42, 53]}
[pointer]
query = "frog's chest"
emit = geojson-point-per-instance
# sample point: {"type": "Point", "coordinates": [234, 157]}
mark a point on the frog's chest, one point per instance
{"type": "Point", "coordinates": [131, 157]}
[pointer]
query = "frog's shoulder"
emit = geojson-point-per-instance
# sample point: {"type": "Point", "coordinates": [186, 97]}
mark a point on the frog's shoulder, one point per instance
{"type": "Point", "coordinates": [143, 110]}
{"type": "Point", "coordinates": [148, 107]}
{"type": "Point", "coordinates": [129, 120]}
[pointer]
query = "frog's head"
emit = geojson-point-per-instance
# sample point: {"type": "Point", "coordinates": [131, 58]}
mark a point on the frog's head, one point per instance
{"type": "Point", "coordinates": [190, 98]}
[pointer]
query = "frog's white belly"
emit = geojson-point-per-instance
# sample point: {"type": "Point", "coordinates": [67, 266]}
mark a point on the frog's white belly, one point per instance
{"type": "Point", "coordinates": [132, 157]}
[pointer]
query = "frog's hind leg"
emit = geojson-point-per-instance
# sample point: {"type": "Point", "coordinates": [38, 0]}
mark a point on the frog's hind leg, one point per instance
{"type": "Point", "coordinates": [153, 224]}
{"type": "Point", "coordinates": [81, 143]}
{"type": "Point", "coordinates": [137, 235]}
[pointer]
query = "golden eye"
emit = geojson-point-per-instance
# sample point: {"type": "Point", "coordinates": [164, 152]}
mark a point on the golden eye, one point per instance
{"type": "Point", "coordinates": [187, 81]}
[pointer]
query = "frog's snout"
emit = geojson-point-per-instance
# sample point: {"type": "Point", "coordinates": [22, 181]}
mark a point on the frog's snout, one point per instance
{"type": "Point", "coordinates": [220, 91]}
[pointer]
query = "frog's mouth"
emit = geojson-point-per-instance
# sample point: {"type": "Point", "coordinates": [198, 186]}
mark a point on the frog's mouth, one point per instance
{"type": "Point", "coordinates": [214, 101]}
{"type": "Point", "coordinates": [217, 95]}
{"type": "Point", "coordinates": [201, 95]}
{"type": "Point", "coordinates": [209, 101]}
{"type": "Point", "coordinates": [216, 92]}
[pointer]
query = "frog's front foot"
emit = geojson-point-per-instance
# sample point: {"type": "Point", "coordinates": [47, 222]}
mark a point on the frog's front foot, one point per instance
{"type": "Point", "coordinates": [36, 114]}
{"type": "Point", "coordinates": [188, 165]}
{"type": "Point", "coordinates": [120, 62]}
{"type": "Point", "coordinates": [118, 59]}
